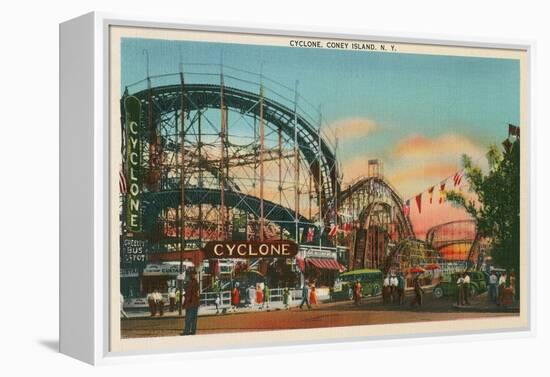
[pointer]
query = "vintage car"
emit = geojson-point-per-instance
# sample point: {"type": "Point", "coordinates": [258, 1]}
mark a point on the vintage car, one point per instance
{"type": "Point", "coordinates": [448, 287]}
{"type": "Point", "coordinates": [371, 284]}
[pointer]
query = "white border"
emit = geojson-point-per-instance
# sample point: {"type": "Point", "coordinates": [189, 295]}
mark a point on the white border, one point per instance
{"type": "Point", "coordinates": [102, 22]}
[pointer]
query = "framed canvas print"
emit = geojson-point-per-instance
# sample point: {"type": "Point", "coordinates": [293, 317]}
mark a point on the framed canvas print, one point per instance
{"type": "Point", "coordinates": [224, 187]}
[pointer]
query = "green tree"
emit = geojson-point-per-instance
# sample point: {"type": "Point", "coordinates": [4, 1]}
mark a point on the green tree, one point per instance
{"type": "Point", "coordinates": [496, 210]}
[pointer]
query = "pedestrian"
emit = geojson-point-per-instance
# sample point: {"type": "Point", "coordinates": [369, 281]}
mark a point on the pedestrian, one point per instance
{"type": "Point", "coordinates": [418, 292]}
{"type": "Point", "coordinates": [286, 298]}
{"type": "Point", "coordinates": [267, 295]}
{"type": "Point", "coordinates": [460, 290]}
{"type": "Point", "coordinates": [466, 286]}
{"type": "Point", "coordinates": [512, 283]}
{"type": "Point", "coordinates": [493, 280]}
{"type": "Point", "coordinates": [191, 305]}
{"type": "Point", "coordinates": [172, 299]}
{"type": "Point", "coordinates": [159, 301]}
{"type": "Point", "coordinates": [312, 294]}
{"type": "Point", "coordinates": [122, 312]}
{"type": "Point", "coordinates": [259, 295]}
{"type": "Point", "coordinates": [386, 290]}
{"type": "Point", "coordinates": [251, 295]}
{"type": "Point", "coordinates": [305, 296]}
{"type": "Point", "coordinates": [393, 287]}
{"type": "Point", "coordinates": [179, 294]}
{"type": "Point", "coordinates": [235, 297]}
{"type": "Point", "coordinates": [357, 292]}
{"type": "Point", "coordinates": [217, 302]}
{"type": "Point", "coordinates": [152, 304]}
{"type": "Point", "coordinates": [401, 288]}
{"type": "Point", "coordinates": [501, 286]}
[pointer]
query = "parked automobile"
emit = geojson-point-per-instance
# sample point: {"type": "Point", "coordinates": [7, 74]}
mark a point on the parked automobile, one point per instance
{"type": "Point", "coordinates": [448, 287]}
{"type": "Point", "coordinates": [371, 284]}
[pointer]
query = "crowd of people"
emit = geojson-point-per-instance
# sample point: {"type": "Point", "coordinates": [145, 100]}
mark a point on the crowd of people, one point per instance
{"type": "Point", "coordinates": [500, 292]}
{"type": "Point", "coordinates": [393, 289]}
{"type": "Point", "coordinates": [502, 289]}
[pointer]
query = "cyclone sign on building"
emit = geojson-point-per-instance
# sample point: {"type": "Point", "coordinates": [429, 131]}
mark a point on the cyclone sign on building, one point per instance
{"type": "Point", "coordinates": [133, 163]}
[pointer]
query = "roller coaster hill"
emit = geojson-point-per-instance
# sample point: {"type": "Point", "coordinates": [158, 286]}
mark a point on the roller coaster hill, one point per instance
{"type": "Point", "coordinates": [219, 153]}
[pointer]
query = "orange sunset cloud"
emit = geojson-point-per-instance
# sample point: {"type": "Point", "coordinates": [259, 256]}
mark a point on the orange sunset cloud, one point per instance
{"type": "Point", "coordinates": [419, 146]}
{"type": "Point", "coordinates": [354, 127]}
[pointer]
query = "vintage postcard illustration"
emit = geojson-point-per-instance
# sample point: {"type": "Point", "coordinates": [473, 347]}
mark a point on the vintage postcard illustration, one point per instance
{"type": "Point", "coordinates": [273, 183]}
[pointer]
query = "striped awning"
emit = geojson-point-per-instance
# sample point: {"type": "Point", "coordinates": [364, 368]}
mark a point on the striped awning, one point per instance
{"type": "Point", "coordinates": [325, 264]}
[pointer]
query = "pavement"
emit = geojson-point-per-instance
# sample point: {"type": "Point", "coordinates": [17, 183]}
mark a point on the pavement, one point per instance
{"type": "Point", "coordinates": [210, 310]}
{"type": "Point", "coordinates": [370, 311]}
{"type": "Point", "coordinates": [478, 304]}
{"type": "Point", "coordinates": [481, 303]}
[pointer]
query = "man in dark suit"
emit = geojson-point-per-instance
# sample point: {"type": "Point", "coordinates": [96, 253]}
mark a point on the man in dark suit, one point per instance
{"type": "Point", "coordinates": [191, 305]}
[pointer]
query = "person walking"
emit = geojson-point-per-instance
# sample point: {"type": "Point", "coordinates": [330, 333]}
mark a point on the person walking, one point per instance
{"type": "Point", "coordinates": [235, 297]}
{"type": "Point", "coordinates": [305, 296]}
{"type": "Point", "coordinates": [493, 280]}
{"type": "Point", "coordinates": [266, 296]}
{"type": "Point", "coordinates": [259, 295]}
{"type": "Point", "coordinates": [501, 286]}
{"type": "Point", "coordinates": [286, 298]}
{"type": "Point", "coordinates": [122, 312]}
{"type": "Point", "coordinates": [191, 305]}
{"type": "Point", "coordinates": [460, 290]}
{"type": "Point", "coordinates": [512, 284]}
{"type": "Point", "coordinates": [418, 292]}
{"type": "Point", "coordinates": [172, 299]}
{"type": "Point", "coordinates": [159, 301]}
{"type": "Point", "coordinates": [401, 288]}
{"type": "Point", "coordinates": [152, 305]}
{"type": "Point", "coordinates": [386, 290]}
{"type": "Point", "coordinates": [251, 295]}
{"type": "Point", "coordinates": [393, 288]}
{"type": "Point", "coordinates": [357, 292]}
{"type": "Point", "coordinates": [312, 294]}
{"type": "Point", "coordinates": [466, 287]}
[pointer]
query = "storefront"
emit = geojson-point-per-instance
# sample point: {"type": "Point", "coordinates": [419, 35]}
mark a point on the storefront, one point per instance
{"type": "Point", "coordinates": [162, 276]}
{"type": "Point", "coordinates": [130, 284]}
{"type": "Point", "coordinates": [320, 265]}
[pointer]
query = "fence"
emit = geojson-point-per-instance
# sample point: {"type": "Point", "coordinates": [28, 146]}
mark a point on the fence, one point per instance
{"type": "Point", "coordinates": [275, 295]}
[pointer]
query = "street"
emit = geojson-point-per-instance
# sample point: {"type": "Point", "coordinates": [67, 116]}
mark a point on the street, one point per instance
{"type": "Point", "coordinates": [371, 311]}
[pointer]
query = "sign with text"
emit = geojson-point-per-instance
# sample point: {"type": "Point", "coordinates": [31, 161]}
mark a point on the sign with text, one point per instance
{"type": "Point", "coordinates": [133, 163]}
{"type": "Point", "coordinates": [134, 250]}
{"type": "Point", "coordinates": [250, 249]}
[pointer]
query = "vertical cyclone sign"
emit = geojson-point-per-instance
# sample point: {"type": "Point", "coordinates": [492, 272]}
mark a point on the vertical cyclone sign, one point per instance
{"type": "Point", "coordinates": [132, 107]}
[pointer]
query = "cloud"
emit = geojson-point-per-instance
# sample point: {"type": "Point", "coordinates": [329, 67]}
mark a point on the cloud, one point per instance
{"type": "Point", "coordinates": [413, 179]}
{"type": "Point", "coordinates": [446, 145]}
{"type": "Point", "coordinates": [417, 162]}
{"type": "Point", "coordinates": [350, 128]}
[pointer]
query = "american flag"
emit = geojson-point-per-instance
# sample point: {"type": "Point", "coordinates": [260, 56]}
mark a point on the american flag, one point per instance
{"type": "Point", "coordinates": [122, 184]}
{"type": "Point", "coordinates": [457, 178]}
{"type": "Point", "coordinates": [309, 235]}
{"type": "Point", "coordinates": [407, 208]}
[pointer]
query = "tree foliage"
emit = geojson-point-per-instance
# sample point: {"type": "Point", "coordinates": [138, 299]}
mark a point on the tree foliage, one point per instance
{"type": "Point", "coordinates": [496, 210]}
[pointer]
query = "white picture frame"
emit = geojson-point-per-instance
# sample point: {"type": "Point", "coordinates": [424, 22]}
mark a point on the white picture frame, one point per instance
{"type": "Point", "coordinates": [86, 302]}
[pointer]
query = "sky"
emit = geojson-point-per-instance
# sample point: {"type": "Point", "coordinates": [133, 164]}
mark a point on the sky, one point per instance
{"type": "Point", "coordinates": [416, 113]}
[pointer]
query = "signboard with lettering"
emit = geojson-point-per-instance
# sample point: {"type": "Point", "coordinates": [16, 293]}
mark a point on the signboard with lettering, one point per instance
{"type": "Point", "coordinates": [132, 107]}
{"type": "Point", "coordinates": [318, 253]}
{"type": "Point", "coordinates": [134, 251]}
{"type": "Point", "coordinates": [161, 269]}
{"type": "Point", "coordinates": [250, 249]}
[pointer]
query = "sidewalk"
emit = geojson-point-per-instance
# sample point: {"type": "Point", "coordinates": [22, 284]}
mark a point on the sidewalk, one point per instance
{"type": "Point", "coordinates": [208, 310]}
{"type": "Point", "coordinates": [211, 310]}
{"type": "Point", "coordinates": [481, 303]}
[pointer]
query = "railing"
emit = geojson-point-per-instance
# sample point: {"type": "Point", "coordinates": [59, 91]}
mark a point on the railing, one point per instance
{"type": "Point", "coordinates": [275, 295]}
{"type": "Point", "coordinates": [209, 298]}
